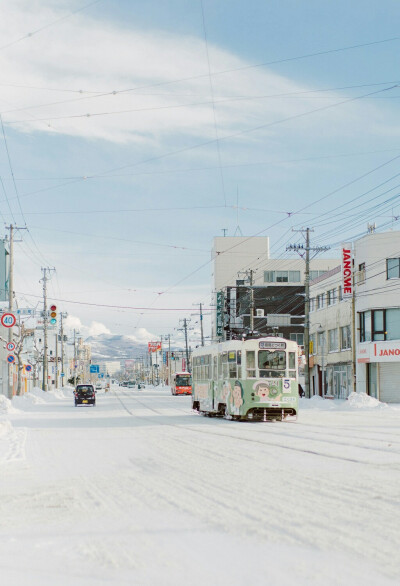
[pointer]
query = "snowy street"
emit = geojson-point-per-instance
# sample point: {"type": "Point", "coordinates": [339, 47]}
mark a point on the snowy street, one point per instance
{"type": "Point", "coordinates": [139, 490]}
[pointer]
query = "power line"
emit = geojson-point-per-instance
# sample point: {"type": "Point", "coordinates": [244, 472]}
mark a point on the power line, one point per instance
{"type": "Point", "coordinates": [50, 24]}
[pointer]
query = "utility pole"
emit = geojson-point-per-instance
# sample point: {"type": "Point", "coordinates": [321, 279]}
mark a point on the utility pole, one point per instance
{"type": "Point", "coordinates": [62, 315]}
{"type": "Point", "coordinates": [56, 359]}
{"type": "Point", "coordinates": [11, 303]}
{"type": "Point", "coordinates": [201, 324]}
{"type": "Point", "coordinates": [75, 364]}
{"type": "Point", "coordinates": [304, 252]}
{"type": "Point", "coordinates": [46, 276]}
{"type": "Point", "coordinates": [185, 330]}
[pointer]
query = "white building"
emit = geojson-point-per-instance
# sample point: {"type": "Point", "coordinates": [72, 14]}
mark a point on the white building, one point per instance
{"type": "Point", "coordinates": [377, 262]}
{"type": "Point", "coordinates": [331, 366]}
{"type": "Point", "coordinates": [233, 256]}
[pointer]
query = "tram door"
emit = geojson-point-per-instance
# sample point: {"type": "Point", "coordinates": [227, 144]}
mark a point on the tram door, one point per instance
{"type": "Point", "coordinates": [214, 382]}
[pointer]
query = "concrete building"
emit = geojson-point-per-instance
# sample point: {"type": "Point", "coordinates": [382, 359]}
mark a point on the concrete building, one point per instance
{"type": "Point", "coordinates": [278, 287]}
{"type": "Point", "coordinates": [377, 264]}
{"type": "Point", "coordinates": [331, 366]}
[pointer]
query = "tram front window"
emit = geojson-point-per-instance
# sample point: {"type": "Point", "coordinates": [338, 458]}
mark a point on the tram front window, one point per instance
{"type": "Point", "coordinates": [271, 364]}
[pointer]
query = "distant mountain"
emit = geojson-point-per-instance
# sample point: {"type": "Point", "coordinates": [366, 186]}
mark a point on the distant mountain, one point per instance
{"type": "Point", "coordinates": [115, 347]}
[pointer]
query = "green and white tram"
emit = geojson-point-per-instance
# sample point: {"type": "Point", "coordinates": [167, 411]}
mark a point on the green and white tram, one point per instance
{"type": "Point", "coordinates": [254, 379]}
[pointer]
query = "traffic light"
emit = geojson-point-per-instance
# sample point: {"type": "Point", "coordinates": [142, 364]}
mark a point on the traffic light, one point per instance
{"type": "Point", "coordinates": [53, 314]}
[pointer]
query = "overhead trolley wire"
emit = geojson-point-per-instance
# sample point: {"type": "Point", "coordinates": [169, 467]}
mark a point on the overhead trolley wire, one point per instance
{"type": "Point", "coordinates": [48, 25]}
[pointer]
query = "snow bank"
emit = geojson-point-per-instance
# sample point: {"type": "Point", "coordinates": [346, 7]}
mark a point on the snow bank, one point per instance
{"type": "Point", "coordinates": [39, 397]}
{"type": "Point", "coordinates": [353, 402]}
{"type": "Point", "coordinates": [6, 406]}
{"type": "Point", "coordinates": [316, 402]}
{"type": "Point", "coordinates": [364, 401]}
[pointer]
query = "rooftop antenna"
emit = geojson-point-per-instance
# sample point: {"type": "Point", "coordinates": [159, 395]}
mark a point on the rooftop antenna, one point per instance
{"type": "Point", "coordinates": [224, 230]}
{"type": "Point", "coordinates": [238, 231]}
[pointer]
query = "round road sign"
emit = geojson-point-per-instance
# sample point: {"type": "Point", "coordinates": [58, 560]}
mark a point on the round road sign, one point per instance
{"type": "Point", "coordinates": [11, 358]}
{"type": "Point", "coordinates": [8, 320]}
{"type": "Point", "coordinates": [28, 367]}
{"type": "Point", "coordinates": [10, 346]}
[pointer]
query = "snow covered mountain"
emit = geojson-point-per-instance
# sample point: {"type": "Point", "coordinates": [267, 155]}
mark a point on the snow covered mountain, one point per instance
{"type": "Point", "coordinates": [115, 347]}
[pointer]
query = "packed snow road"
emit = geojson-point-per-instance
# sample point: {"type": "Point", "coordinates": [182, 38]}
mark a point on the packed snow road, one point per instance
{"type": "Point", "coordinates": [140, 490]}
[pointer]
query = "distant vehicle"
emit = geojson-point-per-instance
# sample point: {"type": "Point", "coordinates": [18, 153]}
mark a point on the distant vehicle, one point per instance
{"type": "Point", "coordinates": [124, 384]}
{"type": "Point", "coordinates": [98, 386]}
{"type": "Point", "coordinates": [131, 384]}
{"type": "Point", "coordinates": [85, 395]}
{"type": "Point", "coordinates": [181, 383]}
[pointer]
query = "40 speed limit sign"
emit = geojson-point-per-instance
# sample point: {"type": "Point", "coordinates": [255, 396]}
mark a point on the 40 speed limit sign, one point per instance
{"type": "Point", "coordinates": [8, 320]}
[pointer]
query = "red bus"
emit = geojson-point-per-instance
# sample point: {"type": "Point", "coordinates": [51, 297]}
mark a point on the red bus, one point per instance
{"type": "Point", "coordinates": [181, 383]}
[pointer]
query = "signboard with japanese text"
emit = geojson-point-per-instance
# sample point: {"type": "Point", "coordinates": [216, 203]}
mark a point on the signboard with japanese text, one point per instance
{"type": "Point", "coordinates": [154, 346]}
{"type": "Point", "coordinates": [220, 314]}
{"type": "Point", "coordinates": [347, 270]}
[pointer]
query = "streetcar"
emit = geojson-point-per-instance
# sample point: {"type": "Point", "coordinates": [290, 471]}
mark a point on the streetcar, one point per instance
{"type": "Point", "coordinates": [251, 380]}
{"type": "Point", "coordinates": [181, 383]}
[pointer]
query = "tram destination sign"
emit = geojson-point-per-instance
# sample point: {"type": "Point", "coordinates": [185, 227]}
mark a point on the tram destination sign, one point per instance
{"type": "Point", "coordinates": [272, 345]}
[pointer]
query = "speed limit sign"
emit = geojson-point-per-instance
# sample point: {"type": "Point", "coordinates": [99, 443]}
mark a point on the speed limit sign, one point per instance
{"type": "Point", "coordinates": [8, 320]}
{"type": "Point", "coordinates": [10, 346]}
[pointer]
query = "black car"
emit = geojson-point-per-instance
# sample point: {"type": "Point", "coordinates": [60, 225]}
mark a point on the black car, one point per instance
{"type": "Point", "coordinates": [85, 395]}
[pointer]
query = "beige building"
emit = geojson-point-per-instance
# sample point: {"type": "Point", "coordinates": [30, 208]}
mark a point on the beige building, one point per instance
{"type": "Point", "coordinates": [331, 372]}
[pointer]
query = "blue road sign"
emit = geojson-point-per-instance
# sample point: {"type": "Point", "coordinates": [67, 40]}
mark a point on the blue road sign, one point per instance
{"type": "Point", "coordinates": [11, 358]}
{"type": "Point", "coordinates": [94, 368]}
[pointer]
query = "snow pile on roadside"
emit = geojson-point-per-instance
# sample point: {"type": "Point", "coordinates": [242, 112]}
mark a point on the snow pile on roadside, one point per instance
{"type": "Point", "coordinates": [316, 402]}
{"type": "Point", "coordinates": [48, 396]}
{"type": "Point", "coordinates": [6, 406]}
{"type": "Point", "coordinates": [363, 401]}
{"type": "Point", "coordinates": [26, 400]}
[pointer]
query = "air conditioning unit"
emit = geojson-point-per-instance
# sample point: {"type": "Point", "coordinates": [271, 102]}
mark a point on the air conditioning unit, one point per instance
{"type": "Point", "coordinates": [259, 313]}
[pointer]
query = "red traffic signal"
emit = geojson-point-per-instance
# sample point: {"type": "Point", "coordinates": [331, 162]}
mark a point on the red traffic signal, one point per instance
{"type": "Point", "coordinates": [53, 314]}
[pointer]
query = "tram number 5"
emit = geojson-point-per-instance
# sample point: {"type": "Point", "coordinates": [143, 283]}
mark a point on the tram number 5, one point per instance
{"type": "Point", "coordinates": [286, 385]}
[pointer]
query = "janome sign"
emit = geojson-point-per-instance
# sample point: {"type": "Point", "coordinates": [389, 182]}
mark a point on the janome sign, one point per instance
{"type": "Point", "coordinates": [379, 352]}
{"type": "Point", "coordinates": [347, 273]}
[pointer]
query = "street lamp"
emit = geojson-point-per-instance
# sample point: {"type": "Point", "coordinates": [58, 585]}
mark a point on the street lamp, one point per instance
{"type": "Point", "coordinates": [321, 333]}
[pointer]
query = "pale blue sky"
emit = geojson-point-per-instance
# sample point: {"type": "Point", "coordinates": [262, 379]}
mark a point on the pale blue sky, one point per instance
{"type": "Point", "coordinates": [156, 146]}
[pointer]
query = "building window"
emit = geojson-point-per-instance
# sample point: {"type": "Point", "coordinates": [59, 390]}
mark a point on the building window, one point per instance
{"type": "Point", "coordinates": [282, 277]}
{"type": "Point", "coordinates": [299, 338]}
{"type": "Point", "coordinates": [332, 297]}
{"type": "Point", "coordinates": [365, 326]}
{"type": "Point", "coordinates": [321, 342]}
{"type": "Point", "coordinates": [345, 338]}
{"type": "Point", "coordinates": [378, 322]}
{"type": "Point", "coordinates": [269, 276]}
{"type": "Point", "coordinates": [312, 304]}
{"type": "Point", "coordinates": [320, 301]}
{"type": "Point", "coordinates": [340, 293]}
{"type": "Point", "coordinates": [393, 268]}
{"type": "Point", "coordinates": [393, 324]}
{"type": "Point", "coordinates": [333, 340]}
{"type": "Point", "coordinates": [361, 273]}
{"type": "Point", "coordinates": [315, 274]}
{"type": "Point", "coordinates": [294, 276]}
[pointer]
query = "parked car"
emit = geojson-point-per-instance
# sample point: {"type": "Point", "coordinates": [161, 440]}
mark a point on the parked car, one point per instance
{"type": "Point", "coordinates": [131, 384]}
{"type": "Point", "coordinates": [85, 395]}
